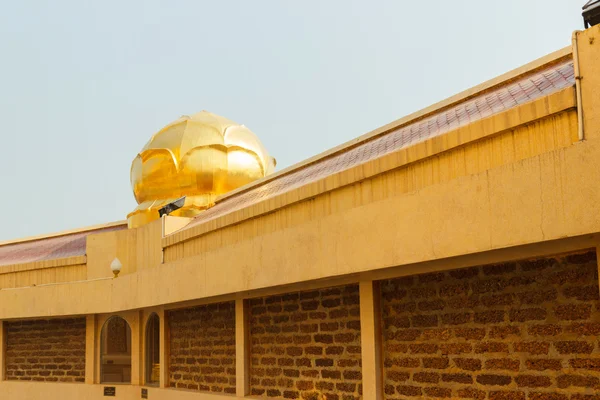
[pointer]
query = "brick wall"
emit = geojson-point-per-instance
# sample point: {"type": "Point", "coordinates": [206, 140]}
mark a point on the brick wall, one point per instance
{"type": "Point", "coordinates": [523, 330]}
{"type": "Point", "coordinates": [202, 348]}
{"type": "Point", "coordinates": [51, 350]}
{"type": "Point", "coordinates": [306, 345]}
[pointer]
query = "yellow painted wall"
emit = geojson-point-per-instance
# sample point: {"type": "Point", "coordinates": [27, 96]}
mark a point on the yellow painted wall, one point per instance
{"type": "Point", "coordinates": [69, 273]}
{"type": "Point", "coordinates": [135, 248]}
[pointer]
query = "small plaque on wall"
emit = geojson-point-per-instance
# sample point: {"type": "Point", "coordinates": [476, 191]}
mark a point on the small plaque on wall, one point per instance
{"type": "Point", "coordinates": [144, 393]}
{"type": "Point", "coordinates": [110, 391]}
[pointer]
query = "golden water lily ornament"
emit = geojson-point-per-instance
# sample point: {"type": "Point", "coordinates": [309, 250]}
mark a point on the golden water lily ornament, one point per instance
{"type": "Point", "coordinates": [201, 157]}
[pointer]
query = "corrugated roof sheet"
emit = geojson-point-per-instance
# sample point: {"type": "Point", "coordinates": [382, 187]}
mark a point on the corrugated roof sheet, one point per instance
{"type": "Point", "coordinates": [50, 248]}
{"type": "Point", "coordinates": [499, 99]}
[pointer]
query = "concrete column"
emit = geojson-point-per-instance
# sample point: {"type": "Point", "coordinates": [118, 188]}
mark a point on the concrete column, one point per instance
{"type": "Point", "coordinates": [164, 349]}
{"type": "Point", "coordinates": [588, 51]}
{"type": "Point", "coordinates": [135, 322]}
{"type": "Point", "coordinates": [370, 336]}
{"type": "Point", "coordinates": [2, 351]}
{"type": "Point", "coordinates": [242, 368]}
{"type": "Point", "coordinates": [90, 349]}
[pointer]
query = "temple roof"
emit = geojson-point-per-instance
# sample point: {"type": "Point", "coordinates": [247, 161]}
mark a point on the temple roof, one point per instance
{"type": "Point", "coordinates": [51, 247]}
{"type": "Point", "coordinates": [550, 78]}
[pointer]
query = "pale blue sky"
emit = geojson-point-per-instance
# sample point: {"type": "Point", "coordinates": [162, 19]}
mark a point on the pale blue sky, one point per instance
{"type": "Point", "coordinates": [84, 84]}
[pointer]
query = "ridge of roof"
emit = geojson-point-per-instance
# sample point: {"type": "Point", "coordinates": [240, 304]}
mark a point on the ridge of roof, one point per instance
{"type": "Point", "coordinates": [64, 233]}
{"type": "Point", "coordinates": [460, 97]}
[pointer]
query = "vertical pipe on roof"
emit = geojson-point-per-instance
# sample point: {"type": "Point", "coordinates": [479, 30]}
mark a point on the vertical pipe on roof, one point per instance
{"type": "Point", "coordinates": [578, 78]}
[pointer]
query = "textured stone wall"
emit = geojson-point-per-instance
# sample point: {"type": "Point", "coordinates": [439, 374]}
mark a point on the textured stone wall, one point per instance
{"type": "Point", "coordinates": [523, 330]}
{"type": "Point", "coordinates": [51, 350]}
{"type": "Point", "coordinates": [306, 345]}
{"type": "Point", "coordinates": [202, 348]}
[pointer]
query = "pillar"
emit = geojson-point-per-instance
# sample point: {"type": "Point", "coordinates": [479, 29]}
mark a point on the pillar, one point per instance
{"type": "Point", "coordinates": [90, 349]}
{"type": "Point", "coordinates": [242, 348]}
{"type": "Point", "coordinates": [588, 52]}
{"type": "Point", "coordinates": [164, 349]}
{"type": "Point", "coordinates": [2, 351]}
{"type": "Point", "coordinates": [370, 336]}
{"type": "Point", "coordinates": [135, 321]}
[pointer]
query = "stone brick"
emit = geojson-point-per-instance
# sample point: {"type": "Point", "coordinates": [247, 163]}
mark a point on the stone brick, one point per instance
{"type": "Point", "coordinates": [406, 390]}
{"type": "Point", "coordinates": [524, 323]}
{"type": "Point", "coordinates": [397, 376]}
{"type": "Point", "coordinates": [574, 347]}
{"type": "Point", "coordinates": [546, 396]}
{"type": "Point", "coordinates": [456, 348]}
{"type": "Point", "coordinates": [592, 364]}
{"type": "Point", "coordinates": [533, 381]}
{"type": "Point", "coordinates": [438, 392]}
{"type": "Point", "coordinates": [572, 312]}
{"type": "Point", "coordinates": [204, 336]}
{"type": "Point", "coordinates": [436, 362]}
{"type": "Point", "coordinates": [456, 318]}
{"type": "Point", "coordinates": [565, 381]}
{"type": "Point", "coordinates": [50, 350]}
{"type": "Point", "coordinates": [585, 328]}
{"type": "Point", "coordinates": [535, 348]}
{"type": "Point", "coordinates": [494, 380]}
{"type": "Point", "coordinates": [471, 393]}
{"type": "Point", "coordinates": [458, 378]}
{"type": "Point", "coordinates": [323, 352]}
{"type": "Point", "coordinates": [468, 364]}
{"type": "Point", "coordinates": [545, 330]}
{"type": "Point", "coordinates": [426, 377]}
{"type": "Point", "coordinates": [491, 347]}
{"type": "Point", "coordinates": [585, 293]}
{"type": "Point", "coordinates": [423, 348]}
{"type": "Point", "coordinates": [470, 333]}
{"type": "Point", "coordinates": [543, 364]}
{"type": "Point", "coordinates": [500, 364]}
{"type": "Point", "coordinates": [528, 314]}
{"type": "Point", "coordinates": [502, 332]}
{"type": "Point", "coordinates": [489, 317]}
{"type": "Point", "coordinates": [424, 321]}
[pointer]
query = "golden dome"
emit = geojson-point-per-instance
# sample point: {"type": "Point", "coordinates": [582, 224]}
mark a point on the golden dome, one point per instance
{"type": "Point", "coordinates": [201, 157]}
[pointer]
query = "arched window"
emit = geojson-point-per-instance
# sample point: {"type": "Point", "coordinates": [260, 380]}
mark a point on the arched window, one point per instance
{"type": "Point", "coordinates": [115, 351]}
{"type": "Point", "coordinates": [153, 350]}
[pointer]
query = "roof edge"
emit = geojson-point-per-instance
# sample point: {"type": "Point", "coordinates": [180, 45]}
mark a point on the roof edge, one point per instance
{"type": "Point", "coordinates": [452, 100]}
{"type": "Point", "coordinates": [65, 232]}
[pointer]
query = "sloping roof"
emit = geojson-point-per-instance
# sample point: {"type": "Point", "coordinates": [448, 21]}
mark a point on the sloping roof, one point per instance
{"type": "Point", "coordinates": [509, 94]}
{"type": "Point", "coordinates": [51, 247]}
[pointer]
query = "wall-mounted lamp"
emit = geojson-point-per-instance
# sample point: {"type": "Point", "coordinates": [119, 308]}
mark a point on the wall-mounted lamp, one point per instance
{"type": "Point", "coordinates": [116, 266]}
